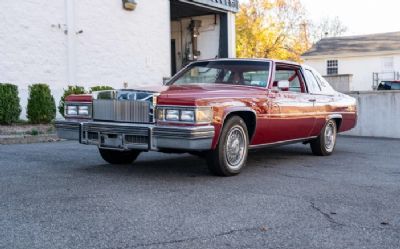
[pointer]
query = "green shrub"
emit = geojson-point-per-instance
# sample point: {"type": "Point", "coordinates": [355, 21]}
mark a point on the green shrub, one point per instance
{"type": "Point", "coordinates": [41, 106]}
{"type": "Point", "coordinates": [9, 103]}
{"type": "Point", "coordinates": [69, 91]}
{"type": "Point", "coordinates": [100, 88]}
{"type": "Point", "coordinates": [34, 132]}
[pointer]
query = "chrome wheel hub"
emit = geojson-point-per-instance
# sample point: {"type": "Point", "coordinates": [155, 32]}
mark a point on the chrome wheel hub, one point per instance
{"type": "Point", "coordinates": [235, 148]}
{"type": "Point", "coordinates": [330, 137]}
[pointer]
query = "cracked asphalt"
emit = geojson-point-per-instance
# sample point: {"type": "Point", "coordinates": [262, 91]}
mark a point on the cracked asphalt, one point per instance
{"type": "Point", "coordinates": [62, 195]}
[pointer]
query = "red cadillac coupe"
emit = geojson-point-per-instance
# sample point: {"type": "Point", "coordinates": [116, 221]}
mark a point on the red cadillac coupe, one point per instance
{"type": "Point", "coordinates": [218, 109]}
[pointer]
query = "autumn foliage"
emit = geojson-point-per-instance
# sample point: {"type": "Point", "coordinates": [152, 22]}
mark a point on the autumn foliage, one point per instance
{"type": "Point", "coordinates": [272, 29]}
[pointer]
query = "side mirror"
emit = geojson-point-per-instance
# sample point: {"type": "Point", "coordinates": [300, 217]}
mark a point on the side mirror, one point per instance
{"type": "Point", "coordinates": [283, 85]}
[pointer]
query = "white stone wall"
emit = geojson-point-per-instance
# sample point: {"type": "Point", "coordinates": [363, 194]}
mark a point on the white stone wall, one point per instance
{"type": "Point", "coordinates": [361, 67]}
{"type": "Point", "coordinates": [115, 45]}
{"type": "Point", "coordinates": [378, 114]}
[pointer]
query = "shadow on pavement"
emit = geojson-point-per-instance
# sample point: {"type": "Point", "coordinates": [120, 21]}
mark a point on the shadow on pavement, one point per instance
{"type": "Point", "coordinates": [157, 164]}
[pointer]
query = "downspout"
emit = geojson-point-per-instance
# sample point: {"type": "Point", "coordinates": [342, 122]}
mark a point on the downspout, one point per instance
{"type": "Point", "coordinates": [71, 41]}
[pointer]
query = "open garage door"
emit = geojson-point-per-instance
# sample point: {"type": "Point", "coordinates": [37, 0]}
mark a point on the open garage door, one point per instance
{"type": "Point", "coordinates": [201, 30]}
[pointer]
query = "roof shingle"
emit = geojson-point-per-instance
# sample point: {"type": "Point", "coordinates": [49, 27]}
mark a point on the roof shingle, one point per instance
{"type": "Point", "coordinates": [356, 44]}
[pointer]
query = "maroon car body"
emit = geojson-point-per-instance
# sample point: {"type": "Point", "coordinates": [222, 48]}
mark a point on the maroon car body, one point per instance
{"type": "Point", "coordinates": [217, 109]}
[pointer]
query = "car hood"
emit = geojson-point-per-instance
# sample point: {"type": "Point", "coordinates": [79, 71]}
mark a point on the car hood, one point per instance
{"type": "Point", "coordinates": [190, 93]}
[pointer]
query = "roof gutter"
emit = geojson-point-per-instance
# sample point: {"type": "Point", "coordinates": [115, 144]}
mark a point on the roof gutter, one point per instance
{"type": "Point", "coordinates": [346, 55]}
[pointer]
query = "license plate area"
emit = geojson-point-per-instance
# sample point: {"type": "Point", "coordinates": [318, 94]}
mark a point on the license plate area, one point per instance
{"type": "Point", "coordinates": [123, 141]}
{"type": "Point", "coordinates": [111, 141]}
{"type": "Point", "coordinates": [116, 136]}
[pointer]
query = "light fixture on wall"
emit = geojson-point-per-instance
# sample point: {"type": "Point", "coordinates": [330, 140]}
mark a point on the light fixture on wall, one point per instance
{"type": "Point", "coordinates": [129, 4]}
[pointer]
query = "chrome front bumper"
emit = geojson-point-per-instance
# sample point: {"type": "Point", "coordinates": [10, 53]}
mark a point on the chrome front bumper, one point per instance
{"type": "Point", "coordinates": [126, 136]}
{"type": "Point", "coordinates": [67, 129]}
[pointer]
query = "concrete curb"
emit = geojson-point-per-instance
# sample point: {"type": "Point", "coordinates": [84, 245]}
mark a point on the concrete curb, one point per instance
{"type": "Point", "coordinates": [28, 139]}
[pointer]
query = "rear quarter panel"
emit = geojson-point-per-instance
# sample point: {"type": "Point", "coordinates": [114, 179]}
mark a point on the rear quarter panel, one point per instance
{"type": "Point", "coordinates": [335, 106]}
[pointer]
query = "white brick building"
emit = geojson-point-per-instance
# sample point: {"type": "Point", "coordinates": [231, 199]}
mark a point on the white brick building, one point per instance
{"type": "Point", "coordinates": [87, 42]}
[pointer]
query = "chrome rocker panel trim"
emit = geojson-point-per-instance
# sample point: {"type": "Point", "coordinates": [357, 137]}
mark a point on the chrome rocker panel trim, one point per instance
{"type": "Point", "coordinates": [127, 136]}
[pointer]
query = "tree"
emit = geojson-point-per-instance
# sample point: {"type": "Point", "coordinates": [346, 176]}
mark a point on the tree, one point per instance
{"type": "Point", "coordinates": [272, 29]}
{"type": "Point", "coordinates": [327, 27]}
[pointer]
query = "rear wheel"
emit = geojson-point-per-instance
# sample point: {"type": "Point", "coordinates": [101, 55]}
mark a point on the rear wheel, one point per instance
{"type": "Point", "coordinates": [119, 157]}
{"type": "Point", "coordinates": [325, 143]}
{"type": "Point", "coordinates": [230, 155]}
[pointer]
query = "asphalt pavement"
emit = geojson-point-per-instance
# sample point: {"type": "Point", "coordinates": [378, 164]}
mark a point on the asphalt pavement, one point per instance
{"type": "Point", "coordinates": [63, 195]}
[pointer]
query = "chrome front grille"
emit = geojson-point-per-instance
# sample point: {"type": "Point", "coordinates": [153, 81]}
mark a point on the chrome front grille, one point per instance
{"type": "Point", "coordinates": [132, 139]}
{"type": "Point", "coordinates": [122, 110]}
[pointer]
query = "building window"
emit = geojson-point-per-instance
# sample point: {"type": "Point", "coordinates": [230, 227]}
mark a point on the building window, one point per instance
{"type": "Point", "coordinates": [332, 67]}
{"type": "Point", "coordinates": [387, 64]}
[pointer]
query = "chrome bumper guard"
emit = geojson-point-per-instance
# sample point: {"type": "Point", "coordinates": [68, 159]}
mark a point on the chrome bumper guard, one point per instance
{"type": "Point", "coordinates": [67, 129]}
{"type": "Point", "coordinates": [126, 136]}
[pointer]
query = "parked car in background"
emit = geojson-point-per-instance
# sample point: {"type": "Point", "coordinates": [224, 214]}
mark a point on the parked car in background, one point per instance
{"type": "Point", "coordinates": [389, 85]}
{"type": "Point", "coordinates": [218, 109]}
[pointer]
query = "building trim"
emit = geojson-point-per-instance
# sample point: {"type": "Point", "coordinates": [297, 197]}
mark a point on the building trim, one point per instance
{"type": "Point", "coordinates": [225, 5]}
{"type": "Point", "coordinates": [347, 55]}
{"type": "Point", "coordinates": [223, 36]}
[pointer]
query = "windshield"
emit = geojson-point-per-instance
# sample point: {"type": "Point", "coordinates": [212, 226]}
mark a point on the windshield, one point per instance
{"type": "Point", "coordinates": [250, 73]}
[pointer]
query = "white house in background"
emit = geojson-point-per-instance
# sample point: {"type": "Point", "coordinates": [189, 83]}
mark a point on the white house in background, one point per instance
{"type": "Point", "coordinates": [88, 43]}
{"type": "Point", "coordinates": [357, 63]}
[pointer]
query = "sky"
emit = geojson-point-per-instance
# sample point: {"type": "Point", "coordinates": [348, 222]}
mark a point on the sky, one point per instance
{"type": "Point", "coordinates": [360, 16]}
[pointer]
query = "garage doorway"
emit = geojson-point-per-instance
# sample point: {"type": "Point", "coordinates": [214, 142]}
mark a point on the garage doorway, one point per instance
{"type": "Point", "coordinates": [198, 32]}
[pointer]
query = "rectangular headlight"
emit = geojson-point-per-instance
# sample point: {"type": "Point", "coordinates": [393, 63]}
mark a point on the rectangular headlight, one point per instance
{"type": "Point", "coordinates": [72, 110]}
{"type": "Point", "coordinates": [187, 116]}
{"type": "Point", "coordinates": [172, 115]}
{"type": "Point", "coordinates": [193, 115]}
{"type": "Point", "coordinates": [83, 110]}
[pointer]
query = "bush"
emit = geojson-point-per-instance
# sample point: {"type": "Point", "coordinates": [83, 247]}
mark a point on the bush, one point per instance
{"type": "Point", "coordinates": [9, 104]}
{"type": "Point", "coordinates": [41, 106]}
{"type": "Point", "coordinates": [70, 90]}
{"type": "Point", "coordinates": [100, 88]}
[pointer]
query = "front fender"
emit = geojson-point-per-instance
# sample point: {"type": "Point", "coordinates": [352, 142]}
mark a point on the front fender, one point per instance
{"type": "Point", "coordinates": [224, 114]}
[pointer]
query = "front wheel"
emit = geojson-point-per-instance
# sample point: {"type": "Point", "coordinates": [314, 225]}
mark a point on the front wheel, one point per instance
{"type": "Point", "coordinates": [119, 157]}
{"type": "Point", "coordinates": [325, 143]}
{"type": "Point", "coordinates": [230, 155]}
